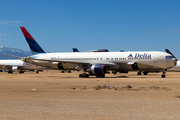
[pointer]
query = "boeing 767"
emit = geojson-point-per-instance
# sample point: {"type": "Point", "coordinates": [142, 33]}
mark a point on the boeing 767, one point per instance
{"type": "Point", "coordinates": [96, 63]}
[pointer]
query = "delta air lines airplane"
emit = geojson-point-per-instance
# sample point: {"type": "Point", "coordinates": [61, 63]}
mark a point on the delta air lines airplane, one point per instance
{"type": "Point", "coordinates": [96, 63]}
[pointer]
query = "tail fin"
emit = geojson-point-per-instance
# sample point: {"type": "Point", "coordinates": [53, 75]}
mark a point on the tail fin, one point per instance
{"type": "Point", "coordinates": [34, 46]}
{"type": "Point", "coordinates": [75, 50]}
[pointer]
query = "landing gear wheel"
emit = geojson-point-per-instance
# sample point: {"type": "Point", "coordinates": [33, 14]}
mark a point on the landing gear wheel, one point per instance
{"type": "Point", "coordinates": [83, 76]}
{"type": "Point", "coordinates": [69, 71]}
{"type": "Point", "coordinates": [163, 76]}
{"type": "Point", "coordinates": [80, 76]}
{"type": "Point", "coordinates": [21, 71]}
{"type": "Point", "coordinates": [10, 71]}
{"type": "Point", "coordinates": [37, 71]}
{"type": "Point", "coordinates": [62, 71]}
{"type": "Point", "coordinates": [87, 76]}
{"type": "Point", "coordinates": [139, 73]}
{"type": "Point", "coordinates": [145, 73]}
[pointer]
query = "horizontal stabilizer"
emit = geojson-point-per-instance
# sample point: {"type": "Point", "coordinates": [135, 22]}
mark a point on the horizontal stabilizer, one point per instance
{"type": "Point", "coordinates": [12, 55]}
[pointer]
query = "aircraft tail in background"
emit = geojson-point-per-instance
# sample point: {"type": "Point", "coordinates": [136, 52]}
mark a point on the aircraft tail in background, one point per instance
{"type": "Point", "coordinates": [75, 50]}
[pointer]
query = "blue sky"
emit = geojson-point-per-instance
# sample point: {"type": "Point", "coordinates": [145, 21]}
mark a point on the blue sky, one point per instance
{"type": "Point", "coordinates": [60, 25]}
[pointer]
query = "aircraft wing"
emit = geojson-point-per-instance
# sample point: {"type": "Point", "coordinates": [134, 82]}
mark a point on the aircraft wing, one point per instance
{"type": "Point", "coordinates": [12, 55]}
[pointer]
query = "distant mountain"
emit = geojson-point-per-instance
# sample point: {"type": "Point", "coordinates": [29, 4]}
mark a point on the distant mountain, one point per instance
{"type": "Point", "coordinates": [13, 51]}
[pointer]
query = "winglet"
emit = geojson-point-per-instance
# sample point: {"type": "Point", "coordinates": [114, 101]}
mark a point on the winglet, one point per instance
{"type": "Point", "coordinates": [171, 54]}
{"type": "Point", "coordinates": [34, 46]}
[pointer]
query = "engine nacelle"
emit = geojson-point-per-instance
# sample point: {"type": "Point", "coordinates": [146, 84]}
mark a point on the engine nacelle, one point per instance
{"type": "Point", "coordinates": [14, 68]}
{"type": "Point", "coordinates": [96, 69]}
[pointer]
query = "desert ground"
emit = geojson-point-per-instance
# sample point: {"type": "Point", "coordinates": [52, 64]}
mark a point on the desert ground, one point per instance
{"type": "Point", "coordinates": [52, 95]}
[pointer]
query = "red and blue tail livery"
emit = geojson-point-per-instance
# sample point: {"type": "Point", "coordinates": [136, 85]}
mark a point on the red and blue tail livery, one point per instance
{"type": "Point", "coordinates": [34, 46]}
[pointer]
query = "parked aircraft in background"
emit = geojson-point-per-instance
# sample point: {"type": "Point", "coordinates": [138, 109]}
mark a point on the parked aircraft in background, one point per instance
{"type": "Point", "coordinates": [98, 50]}
{"type": "Point", "coordinates": [96, 63]}
{"type": "Point", "coordinates": [18, 65]}
{"type": "Point", "coordinates": [75, 50]}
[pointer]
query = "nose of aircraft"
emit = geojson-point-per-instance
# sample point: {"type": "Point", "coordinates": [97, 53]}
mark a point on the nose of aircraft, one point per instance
{"type": "Point", "coordinates": [175, 62]}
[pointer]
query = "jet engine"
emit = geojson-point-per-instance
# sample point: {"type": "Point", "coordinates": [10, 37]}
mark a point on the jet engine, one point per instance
{"type": "Point", "coordinates": [96, 70]}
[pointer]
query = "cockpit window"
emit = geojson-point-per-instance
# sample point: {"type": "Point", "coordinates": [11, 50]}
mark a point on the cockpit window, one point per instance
{"type": "Point", "coordinates": [169, 57]}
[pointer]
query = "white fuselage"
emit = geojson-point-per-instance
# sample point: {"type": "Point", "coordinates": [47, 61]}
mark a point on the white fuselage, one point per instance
{"type": "Point", "coordinates": [119, 61]}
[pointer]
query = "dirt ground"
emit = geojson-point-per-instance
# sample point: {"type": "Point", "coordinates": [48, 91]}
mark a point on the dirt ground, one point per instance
{"type": "Point", "coordinates": [52, 95]}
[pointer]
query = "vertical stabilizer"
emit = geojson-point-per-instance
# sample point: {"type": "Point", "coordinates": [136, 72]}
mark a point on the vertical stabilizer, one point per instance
{"type": "Point", "coordinates": [75, 50]}
{"type": "Point", "coordinates": [34, 46]}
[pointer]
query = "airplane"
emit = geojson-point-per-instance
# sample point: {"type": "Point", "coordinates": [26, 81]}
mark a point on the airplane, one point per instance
{"type": "Point", "coordinates": [17, 65]}
{"type": "Point", "coordinates": [96, 63]}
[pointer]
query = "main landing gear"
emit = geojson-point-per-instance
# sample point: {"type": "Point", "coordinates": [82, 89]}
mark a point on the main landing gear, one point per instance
{"type": "Point", "coordinates": [139, 73]}
{"type": "Point", "coordinates": [146, 73]}
{"type": "Point", "coordinates": [163, 75]}
{"type": "Point", "coordinates": [21, 71]}
{"type": "Point", "coordinates": [10, 71]}
{"type": "Point", "coordinates": [84, 75]}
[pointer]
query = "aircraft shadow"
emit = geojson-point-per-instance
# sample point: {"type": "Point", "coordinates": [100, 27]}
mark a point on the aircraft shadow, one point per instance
{"type": "Point", "coordinates": [118, 77]}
